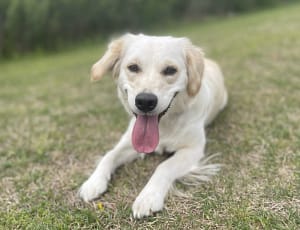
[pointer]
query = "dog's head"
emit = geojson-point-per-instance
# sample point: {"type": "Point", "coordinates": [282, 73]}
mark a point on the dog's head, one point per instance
{"type": "Point", "coordinates": [150, 72]}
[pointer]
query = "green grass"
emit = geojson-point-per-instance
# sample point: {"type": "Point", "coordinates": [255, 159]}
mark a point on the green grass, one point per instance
{"type": "Point", "coordinates": [54, 124]}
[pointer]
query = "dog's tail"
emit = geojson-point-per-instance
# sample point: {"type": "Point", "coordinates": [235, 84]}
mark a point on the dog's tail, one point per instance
{"type": "Point", "coordinates": [199, 173]}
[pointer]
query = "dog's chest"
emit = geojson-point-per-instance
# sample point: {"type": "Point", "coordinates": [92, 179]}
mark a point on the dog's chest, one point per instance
{"type": "Point", "coordinates": [170, 136]}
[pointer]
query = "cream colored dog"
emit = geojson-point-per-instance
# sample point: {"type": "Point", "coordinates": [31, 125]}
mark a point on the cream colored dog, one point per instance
{"type": "Point", "coordinates": [171, 91]}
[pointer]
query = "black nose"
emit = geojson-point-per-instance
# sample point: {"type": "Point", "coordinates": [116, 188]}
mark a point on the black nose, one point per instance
{"type": "Point", "coordinates": [146, 102]}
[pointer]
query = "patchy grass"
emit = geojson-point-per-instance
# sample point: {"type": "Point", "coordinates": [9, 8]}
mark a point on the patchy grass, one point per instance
{"type": "Point", "coordinates": [54, 125]}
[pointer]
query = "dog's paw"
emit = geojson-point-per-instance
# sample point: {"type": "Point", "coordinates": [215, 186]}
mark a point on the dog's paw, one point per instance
{"type": "Point", "coordinates": [147, 203]}
{"type": "Point", "coordinates": [93, 188]}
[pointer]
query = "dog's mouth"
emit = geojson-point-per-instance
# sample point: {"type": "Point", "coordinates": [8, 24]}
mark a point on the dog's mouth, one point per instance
{"type": "Point", "coordinates": [145, 133]}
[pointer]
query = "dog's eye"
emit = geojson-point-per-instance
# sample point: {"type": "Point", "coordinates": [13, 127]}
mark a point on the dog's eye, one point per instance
{"type": "Point", "coordinates": [169, 71]}
{"type": "Point", "coordinates": [134, 68]}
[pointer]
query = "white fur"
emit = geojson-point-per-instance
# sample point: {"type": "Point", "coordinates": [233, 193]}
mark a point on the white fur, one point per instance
{"type": "Point", "coordinates": [181, 128]}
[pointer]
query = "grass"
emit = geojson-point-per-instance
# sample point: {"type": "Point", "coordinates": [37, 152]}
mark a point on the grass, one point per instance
{"type": "Point", "coordinates": [54, 124]}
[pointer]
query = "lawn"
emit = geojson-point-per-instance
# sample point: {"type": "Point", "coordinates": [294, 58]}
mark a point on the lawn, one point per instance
{"type": "Point", "coordinates": [54, 125]}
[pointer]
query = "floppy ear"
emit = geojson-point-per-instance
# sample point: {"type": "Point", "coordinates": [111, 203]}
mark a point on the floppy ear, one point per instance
{"type": "Point", "coordinates": [195, 67]}
{"type": "Point", "coordinates": [109, 59]}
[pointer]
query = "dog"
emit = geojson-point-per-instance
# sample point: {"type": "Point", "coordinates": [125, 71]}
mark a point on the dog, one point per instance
{"type": "Point", "coordinates": [171, 91]}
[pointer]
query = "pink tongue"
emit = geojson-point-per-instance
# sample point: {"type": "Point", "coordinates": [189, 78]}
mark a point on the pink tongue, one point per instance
{"type": "Point", "coordinates": [145, 135]}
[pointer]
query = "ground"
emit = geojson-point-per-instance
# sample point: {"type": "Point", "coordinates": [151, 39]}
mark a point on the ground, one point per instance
{"type": "Point", "coordinates": [55, 124]}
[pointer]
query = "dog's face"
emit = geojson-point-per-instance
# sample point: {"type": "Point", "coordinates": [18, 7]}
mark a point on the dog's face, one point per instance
{"type": "Point", "coordinates": [150, 72]}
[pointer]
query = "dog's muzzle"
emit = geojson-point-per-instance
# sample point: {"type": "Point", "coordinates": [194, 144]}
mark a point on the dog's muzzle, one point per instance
{"type": "Point", "coordinates": [145, 133]}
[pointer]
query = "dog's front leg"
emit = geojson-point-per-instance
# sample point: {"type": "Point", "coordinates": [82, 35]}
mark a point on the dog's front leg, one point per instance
{"type": "Point", "coordinates": [98, 181]}
{"type": "Point", "coordinates": [151, 199]}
